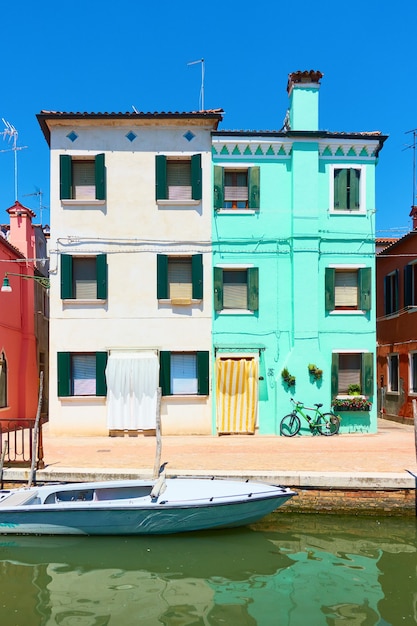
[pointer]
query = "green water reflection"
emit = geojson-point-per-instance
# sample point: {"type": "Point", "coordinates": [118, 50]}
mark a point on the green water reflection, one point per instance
{"type": "Point", "coordinates": [301, 571]}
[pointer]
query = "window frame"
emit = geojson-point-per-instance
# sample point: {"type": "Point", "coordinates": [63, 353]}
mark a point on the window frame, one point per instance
{"type": "Point", "coordinates": [202, 368]}
{"type": "Point", "coordinates": [361, 210]}
{"type": "Point", "coordinates": [366, 374]}
{"type": "Point", "coordinates": [252, 289]}
{"type": "Point", "coordinates": [391, 292]}
{"type": "Point", "coordinates": [67, 283]}
{"type": "Point", "coordinates": [197, 278]}
{"type": "Point", "coordinates": [253, 178]}
{"type": "Point", "coordinates": [3, 381]}
{"type": "Point", "coordinates": [391, 358]}
{"type": "Point", "coordinates": [66, 187]}
{"type": "Point", "coordinates": [65, 375]}
{"type": "Point", "coordinates": [364, 289]}
{"type": "Point", "coordinates": [410, 284]}
{"type": "Point", "coordinates": [412, 372]}
{"type": "Point", "coordinates": [161, 176]}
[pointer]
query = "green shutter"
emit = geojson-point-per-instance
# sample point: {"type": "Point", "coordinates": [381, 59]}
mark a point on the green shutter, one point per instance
{"type": "Point", "coordinates": [354, 176]}
{"type": "Point", "coordinates": [340, 189]}
{"type": "Point", "coordinates": [66, 276]}
{"type": "Point", "coordinates": [197, 276]}
{"type": "Point", "coordinates": [101, 383]}
{"type": "Point", "coordinates": [408, 285]}
{"type": "Point", "coordinates": [196, 177]}
{"type": "Point", "coordinates": [165, 372]}
{"type": "Point", "coordinates": [335, 375]}
{"type": "Point", "coordinates": [329, 288]}
{"type": "Point", "coordinates": [100, 174]}
{"type": "Point", "coordinates": [218, 288]}
{"type": "Point", "coordinates": [254, 187]}
{"type": "Point", "coordinates": [161, 191]}
{"type": "Point", "coordinates": [396, 291]}
{"type": "Point", "coordinates": [218, 175]}
{"type": "Point", "coordinates": [162, 276]}
{"type": "Point", "coordinates": [253, 288]}
{"type": "Point", "coordinates": [101, 272]}
{"type": "Point", "coordinates": [65, 177]}
{"type": "Point", "coordinates": [365, 288]}
{"type": "Point", "coordinates": [203, 373]}
{"type": "Point", "coordinates": [64, 374]}
{"type": "Point", "coordinates": [368, 374]}
{"type": "Point", "coordinates": [387, 296]}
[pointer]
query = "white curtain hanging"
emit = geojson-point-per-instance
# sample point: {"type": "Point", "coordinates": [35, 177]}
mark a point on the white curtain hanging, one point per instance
{"type": "Point", "coordinates": [132, 383]}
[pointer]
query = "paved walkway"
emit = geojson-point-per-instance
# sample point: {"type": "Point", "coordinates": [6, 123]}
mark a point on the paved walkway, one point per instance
{"type": "Point", "coordinates": [382, 456]}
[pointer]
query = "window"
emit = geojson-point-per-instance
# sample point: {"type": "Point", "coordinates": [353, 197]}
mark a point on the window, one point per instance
{"type": "Point", "coordinates": [180, 279]}
{"type": "Point", "coordinates": [82, 374]}
{"type": "Point", "coordinates": [178, 179]}
{"type": "Point", "coordinates": [347, 189]}
{"type": "Point", "coordinates": [352, 368]}
{"type": "Point", "coordinates": [236, 288]}
{"type": "Point", "coordinates": [184, 373]}
{"type": "Point", "coordinates": [236, 188]}
{"type": "Point", "coordinates": [413, 372]}
{"type": "Point", "coordinates": [391, 293]}
{"type": "Point", "coordinates": [348, 289]}
{"type": "Point", "coordinates": [82, 179]}
{"type": "Point", "coordinates": [410, 284]}
{"type": "Point", "coordinates": [84, 277]}
{"type": "Point", "coordinates": [393, 377]}
{"type": "Point", "coordinates": [3, 380]}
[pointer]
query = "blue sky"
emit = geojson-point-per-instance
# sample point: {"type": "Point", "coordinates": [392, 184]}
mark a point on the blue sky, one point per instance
{"type": "Point", "coordinates": [101, 56]}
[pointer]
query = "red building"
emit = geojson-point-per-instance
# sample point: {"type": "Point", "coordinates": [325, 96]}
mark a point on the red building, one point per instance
{"type": "Point", "coordinates": [23, 318]}
{"type": "Point", "coordinates": [396, 289]}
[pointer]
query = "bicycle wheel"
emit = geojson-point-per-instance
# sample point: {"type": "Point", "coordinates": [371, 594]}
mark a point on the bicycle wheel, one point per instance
{"type": "Point", "coordinates": [328, 424]}
{"type": "Point", "coordinates": [290, 425]}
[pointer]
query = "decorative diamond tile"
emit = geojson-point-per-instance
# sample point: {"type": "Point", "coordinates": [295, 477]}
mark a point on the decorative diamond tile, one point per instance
{"type": "Point", "coordinates": [189, 135]}
{"type": "Point", "coordinates": [131, 135]}
{"type": "Point", "coordinates": [72, 136]}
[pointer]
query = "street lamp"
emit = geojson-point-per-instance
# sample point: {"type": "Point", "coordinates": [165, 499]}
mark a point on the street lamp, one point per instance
{"type": "Point", "coordinates": [7, 288]}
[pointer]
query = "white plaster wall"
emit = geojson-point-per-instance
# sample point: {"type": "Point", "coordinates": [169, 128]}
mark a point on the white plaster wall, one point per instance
{"type": "Point", "coordinates": [131, 228]}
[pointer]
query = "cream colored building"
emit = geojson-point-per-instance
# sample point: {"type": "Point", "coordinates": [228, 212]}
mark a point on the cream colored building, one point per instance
{"type": "Point", "coordinates": [130, 270]}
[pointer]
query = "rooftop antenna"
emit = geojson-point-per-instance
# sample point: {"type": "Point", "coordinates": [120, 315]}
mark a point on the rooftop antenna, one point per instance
{"type": "Point", "coordinates": [413, 146]}
{"type": "Point", "coordinates": [38, 193]}
{"type": "Point", "coordinates": [12, 134]}
{"type": "Point", "coordinates": [201, 100]}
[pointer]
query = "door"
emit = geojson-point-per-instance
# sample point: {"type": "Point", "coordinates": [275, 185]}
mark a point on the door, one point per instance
{"type": "Point", "coordinates": [236, 394]}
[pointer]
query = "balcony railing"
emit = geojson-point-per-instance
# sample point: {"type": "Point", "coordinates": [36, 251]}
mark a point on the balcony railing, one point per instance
{"type": "Point", "coordinates": [17, 436]}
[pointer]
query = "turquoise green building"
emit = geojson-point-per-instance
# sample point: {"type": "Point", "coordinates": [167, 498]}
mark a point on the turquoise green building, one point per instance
{"type": "Point", "coordinates": [294, 270]}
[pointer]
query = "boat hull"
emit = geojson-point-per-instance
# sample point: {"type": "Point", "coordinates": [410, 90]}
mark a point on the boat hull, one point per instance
{"type": "Point", "coordinates": [170, 513]}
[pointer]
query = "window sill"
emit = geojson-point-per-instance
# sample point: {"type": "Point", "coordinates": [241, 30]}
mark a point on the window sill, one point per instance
{"type": "Point", "coordinates": [79, 202]}
{"type": "Point", "coordinates": [235, 312]}
{"type": "Point", "coordinates": [178, 202]}
{"type": "Point", "coordinates": [347, 212]}
{"type": "Point", "coordinates": [182, 397]}
{"type": "Point", "coordinates": [84, 399]}
{"type": "Point", "coordinates": [237, 211]}
{"type": "Point", "coordinates": [179, 301]}
{"type": "Point", "coordinates": [75, 301]}
{"type": "Point", "coordinates": [347, 312]}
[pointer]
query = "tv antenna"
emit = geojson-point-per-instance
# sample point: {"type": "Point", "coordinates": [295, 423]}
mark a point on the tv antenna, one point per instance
{"type": "Point", "coordinates": [201, 100]}
{"type": "Point", "coordinates": [413, 146]}
{"type": "Point", "coordinates": [11, 133]}
{"type": "Point", "coordinates": [39, 194]}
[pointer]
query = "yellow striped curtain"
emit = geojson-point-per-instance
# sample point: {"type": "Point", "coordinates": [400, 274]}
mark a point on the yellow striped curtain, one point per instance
{"type": "Point", "coordinates": [237, 395]}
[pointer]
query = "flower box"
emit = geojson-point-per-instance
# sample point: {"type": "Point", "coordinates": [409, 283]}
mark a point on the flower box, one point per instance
{"type": "Point", "coordinates": [351, 404]}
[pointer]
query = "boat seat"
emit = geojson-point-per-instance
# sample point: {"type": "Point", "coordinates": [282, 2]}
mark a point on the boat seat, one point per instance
{"type": "Point", "coordinates": [18, 499]}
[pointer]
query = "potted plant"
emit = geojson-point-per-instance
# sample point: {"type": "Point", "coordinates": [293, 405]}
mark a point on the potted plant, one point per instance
{"type": "Point", "coordinates": [287, 378]}
{"type": "Point", "coordinates": [315, 372]}
{"type": "Point", "coordinates": [354, 390]}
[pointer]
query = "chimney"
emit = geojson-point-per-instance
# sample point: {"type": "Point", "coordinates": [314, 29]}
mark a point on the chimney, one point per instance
{"type": "Point", "coordinates": [22, 234]}
{"type": "Point", "coordinates": [413, 215]}
{"type": "Point", "coordinates": [303, 92]}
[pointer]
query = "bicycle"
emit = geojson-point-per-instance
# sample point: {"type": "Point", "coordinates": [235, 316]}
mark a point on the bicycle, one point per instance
{"type": "Point", "coordinates": [324, 423]}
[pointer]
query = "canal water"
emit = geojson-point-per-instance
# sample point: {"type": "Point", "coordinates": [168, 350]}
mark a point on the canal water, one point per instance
{"type": "Point", "coordinates": [296, 570]}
